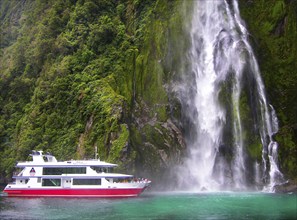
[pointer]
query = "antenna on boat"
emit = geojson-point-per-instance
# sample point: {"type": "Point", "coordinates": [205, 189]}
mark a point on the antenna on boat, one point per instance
{"type": "Point", "coordinates": [96, 152]}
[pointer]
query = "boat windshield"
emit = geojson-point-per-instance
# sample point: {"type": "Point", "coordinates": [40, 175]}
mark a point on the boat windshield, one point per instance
{"type": "Point", "coordinates": [18, 171]}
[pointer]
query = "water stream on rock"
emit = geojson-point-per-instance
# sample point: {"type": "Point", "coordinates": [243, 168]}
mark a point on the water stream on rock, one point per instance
{"type": "Point", "coordinates": [221, 74]}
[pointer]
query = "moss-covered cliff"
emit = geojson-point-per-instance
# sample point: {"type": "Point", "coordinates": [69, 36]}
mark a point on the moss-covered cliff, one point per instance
{"type": "Point", "coordinates": [273, 29]}
{"type": "Point", "coordinates": [83, 74]}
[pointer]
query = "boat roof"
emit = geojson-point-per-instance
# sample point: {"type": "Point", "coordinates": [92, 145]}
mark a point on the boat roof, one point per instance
{"type": "Point", "coordinates": [71, 163]}
{"type": "Point", "coordinates": [77, 176]}
{"type": "Point", "coordinates": [38, 161]}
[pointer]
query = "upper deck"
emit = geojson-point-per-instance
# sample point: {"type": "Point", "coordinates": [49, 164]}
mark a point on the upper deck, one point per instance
{"type": "Point", "coordinates": [48, 160]}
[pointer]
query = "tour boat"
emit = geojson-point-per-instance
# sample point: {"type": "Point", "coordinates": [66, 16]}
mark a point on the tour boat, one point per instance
{"type": "Point", "coordinates": [45, 176]}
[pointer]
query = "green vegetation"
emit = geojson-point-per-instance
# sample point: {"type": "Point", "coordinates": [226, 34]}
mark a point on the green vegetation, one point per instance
{"type": "Point", "coordinates": [76, 75]}
{"type": "Point", "coordinates": [63, 78]}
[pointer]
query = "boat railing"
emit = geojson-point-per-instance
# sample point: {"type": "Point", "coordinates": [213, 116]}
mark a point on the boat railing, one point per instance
{"type": "Point", "coordinates": [139, 180]}
{"type": "Point", "coordinates": [130, 180]}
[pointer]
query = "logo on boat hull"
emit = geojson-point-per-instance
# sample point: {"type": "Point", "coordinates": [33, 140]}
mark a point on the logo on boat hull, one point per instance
{"type": "Point", "coordinates": [32, 171]}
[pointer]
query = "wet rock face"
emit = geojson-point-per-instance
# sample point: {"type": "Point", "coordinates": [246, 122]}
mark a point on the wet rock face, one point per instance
{"type": "Point", "coordinates": [154, 115]}
{"type": "Point", "coordinates": [159, 143]}
{"type": "Point", "coordinates": [272, 26]}
{"type": "Point", "coordinates": [288, 187]}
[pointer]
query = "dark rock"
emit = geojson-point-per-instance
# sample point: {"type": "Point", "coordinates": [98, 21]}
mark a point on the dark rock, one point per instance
{"type": "Point", "coordinates": [288, 187]}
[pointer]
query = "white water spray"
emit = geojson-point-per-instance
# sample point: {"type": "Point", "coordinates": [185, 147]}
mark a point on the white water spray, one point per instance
{"type": "Point", "coordinates": [220, 52]}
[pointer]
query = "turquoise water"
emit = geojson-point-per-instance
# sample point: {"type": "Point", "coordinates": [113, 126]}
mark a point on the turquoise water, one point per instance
{"type": "Point", "coordinates": [175, 205]}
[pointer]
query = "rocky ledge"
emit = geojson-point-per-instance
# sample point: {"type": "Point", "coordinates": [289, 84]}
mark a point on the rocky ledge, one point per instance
{"type": "Point", "coordinates": [289, 187]}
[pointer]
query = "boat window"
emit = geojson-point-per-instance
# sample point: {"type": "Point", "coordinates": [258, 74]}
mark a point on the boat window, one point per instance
{"type": "Point", "coordinates": [103, 169]}
{"type": "Point", "coordinates": [86, 181]}
{"type": "Point", "coordinates": [64, 170]}
{"type": "Point", "coordinates": [51, 182]}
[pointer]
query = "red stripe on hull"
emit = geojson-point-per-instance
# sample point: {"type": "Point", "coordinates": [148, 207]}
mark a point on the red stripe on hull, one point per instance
{"type": "Point", "coordinates": [75, 192]}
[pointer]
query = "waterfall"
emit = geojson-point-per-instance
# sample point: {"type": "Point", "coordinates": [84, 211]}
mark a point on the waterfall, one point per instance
{"type": "Point", "coordinates": [221, 63]}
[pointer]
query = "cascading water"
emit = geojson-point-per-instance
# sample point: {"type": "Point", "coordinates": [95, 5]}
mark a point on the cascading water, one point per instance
{"type": "Point", "coordinates": [221, 61]}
